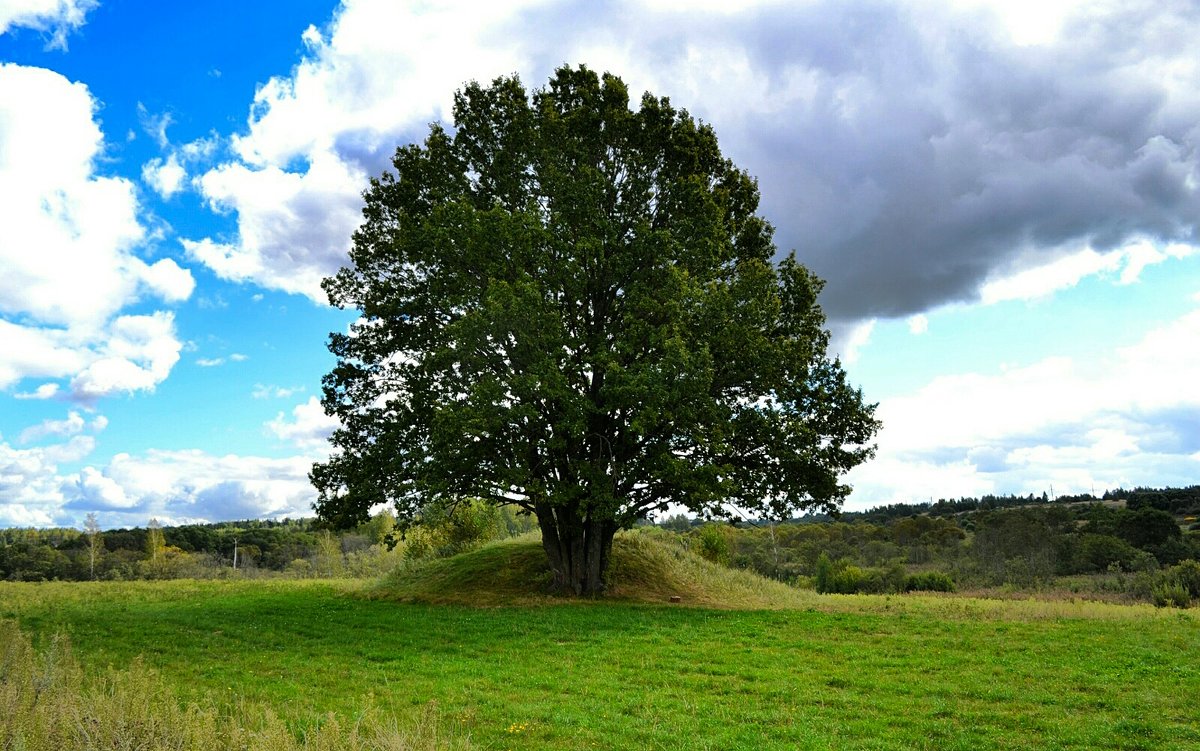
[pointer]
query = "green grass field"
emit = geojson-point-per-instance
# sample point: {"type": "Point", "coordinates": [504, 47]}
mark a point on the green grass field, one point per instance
{"type": "Point", "coordinates": [818, 672]}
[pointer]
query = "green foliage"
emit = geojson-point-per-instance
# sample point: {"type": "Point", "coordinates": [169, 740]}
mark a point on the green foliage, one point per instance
{"type": "Point", "coordinates": [846, 579]}
{"type": "Point", "coordinates": [1147, 528]}
{"type": "Point", "coordinates": [677, 523]}
{"type": "Point", "coordinates": [265, 548]}
{"type": "Point", "coordinates": [447, 531]}
{"type": "Point", "coordinates": [1187, 573]}
{"type": "Point", "coordinates": [842, 577]}
{"type": "Point", "coordinates": [1017, 547]}
{"type": "Point", "coordinates": [929, 581]}
{"type": "Point", "coordinates": [712, 544]}
{"type": "Point", "coordinates": [379, 528]}
{"type": "Point", "coordinates": [823, 575]}
{"type": "Point", "coordinates": [1176, 586]}
{"type": "Point", "coordinates": [1095, 552]}
{"type": "Point", "coordinates": [573, 307]}
{"type": "Point", "coordinates": [155, 542]}
{"type": "Point", "coordinates": [1168, 593]}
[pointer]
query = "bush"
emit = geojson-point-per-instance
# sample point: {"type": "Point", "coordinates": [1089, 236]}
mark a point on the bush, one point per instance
{"type": "Point", "coordinates": [929, 581]}
{"type": "Point", "coordinates": [823, 574]}
{"type": "Point", "coordinates": [1170, 594]}
{"type": "Point", "coordinates": [1143, 561]}
{"type": "Point", "coordinates": [847, 579]}
{"type": "Point", "coordinates": [1099, 552]}
{"type": "Point", "coordinates": [1176, 586]}
{"type": "Point", "coordinates": [1187, 574]}
{"type": "Point", "coordinates": [712, 545]}
{"type": "Point", "coordinates": [443, 532]}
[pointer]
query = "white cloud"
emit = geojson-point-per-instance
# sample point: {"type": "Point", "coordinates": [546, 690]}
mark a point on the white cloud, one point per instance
{"type": "Point", "coordinates": [154, 125]}
{"type": "Point", "coordinates": [67, 245]}
{"type": "Point", "coordinates": [100, 493]}
{"type": "Point", "coordinates": [848, 341]}
{"type": "Point", "coordinates": [174, 486]}
{"type": "Point", "coordinates": [35, 352]}
{"type": "Point", "coordinates": [383, 70]}
{"type": "Point", "coordinates": [57, 18]}
{"type": "Point", "coordinates": [31, 490]}
{"type": "Point", "coordinates": [914, 152]}
{"type": "Point", "coordinates": [1130, 418]}
{"type": "Point", "coordinates": [168, 281]}
{"type": "Point", "coordinates": [137, 357]}
{"type": "Point", "coordinates": [1029, 22]}
{"type": "Point", "coordinates": [83, 227]}
{"type": "Point", "coordinates": [918, 324]}
{"type": "Point", "coordinates": [73, 425]}
{"type": "Point", "coordinates": [262, 391]}
{"type": "Point", "coordinates": [293, 229]}
{"type": "Point", "coordinates": [213, 362]}
{"type": "Point", "coordinates": [200, 149]}
{"type": "Point", "coordinates": [166, 177]}
{"type": "Point", "coordinates": [309, 427]}
{"type": "Point", "coordinates": [1042, 279]}
{"type": "Point", "coordinates": [182, 486]}
{"type": "Point", "coordinates": [44, 391]}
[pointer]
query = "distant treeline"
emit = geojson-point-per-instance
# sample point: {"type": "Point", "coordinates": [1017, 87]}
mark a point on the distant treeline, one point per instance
{"type": "Point", "coordinates": [1173, 500]}
{"type": "Point", "coordinates": [150, 552]}
{"type": "Point", "coordinates": [1018, 541]}
{"type": "Point", "coordinates": [994, 541]}
{"type": "Point", "coordinates": [291, 547]}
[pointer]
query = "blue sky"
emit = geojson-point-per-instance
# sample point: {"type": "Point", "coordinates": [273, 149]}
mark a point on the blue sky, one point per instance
{"type": "Point", "coordinates": [1002, 196]}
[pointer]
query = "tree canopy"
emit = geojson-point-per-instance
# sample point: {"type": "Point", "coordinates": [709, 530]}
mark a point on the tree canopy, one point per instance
{"type": "Point", "coordinates": [572, 307]}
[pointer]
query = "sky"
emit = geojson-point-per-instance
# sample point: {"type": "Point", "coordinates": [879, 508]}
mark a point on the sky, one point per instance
{"type": "Point", "coordinates": [1003, 198]}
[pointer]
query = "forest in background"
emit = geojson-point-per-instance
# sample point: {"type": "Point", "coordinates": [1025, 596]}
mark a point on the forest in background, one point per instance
{"type": "Point", "coordinates": [1138, 544]}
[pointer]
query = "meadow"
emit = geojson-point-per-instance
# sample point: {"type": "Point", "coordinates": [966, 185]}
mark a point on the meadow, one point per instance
{"type": "Point", "coordinates": [731, 667]}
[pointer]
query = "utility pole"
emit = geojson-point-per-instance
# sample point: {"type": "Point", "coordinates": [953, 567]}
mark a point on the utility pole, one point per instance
{"type": "Point", "coordinates": [235, 554]}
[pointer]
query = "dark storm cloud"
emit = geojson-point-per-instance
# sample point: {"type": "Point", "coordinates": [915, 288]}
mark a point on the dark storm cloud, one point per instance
{"type": "Point", "coordinates": [910, 153]}
{"type": "Point", "coordinates": [929, 153]}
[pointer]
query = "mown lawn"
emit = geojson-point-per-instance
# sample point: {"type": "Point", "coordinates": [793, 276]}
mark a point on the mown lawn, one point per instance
{"type": "Point", "coordinates": [869, 673]}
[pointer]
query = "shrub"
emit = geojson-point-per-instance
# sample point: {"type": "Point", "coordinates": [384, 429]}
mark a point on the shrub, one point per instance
{"type": "Point", "coordinates": [1143, 561]}
{"type": "Point", "coordinates": [929, 581]}
{"type": "Point", "coordinates": [823, 574]}
{"type": "Point", "coordinates": [299, 568]}
{"type": "Point", "coordinates": [894, 578]}
{"type": "Point", "coordinates": [1099, 552]}
{"type": "Point", "coordinates": [444, 532]}
{"type": "Point", "coordinates": [1168, 593]}
{"type": "Point", "coordinates": [712, 545]}
{"type": "Point", "coordinates": [1187, 574]}
{"type": "Point", "coordinates": [848, 580]}
{"type": "Point", "coordinates": [1176, 586]}
{"type": "Point", "coordinates": [844, 578]}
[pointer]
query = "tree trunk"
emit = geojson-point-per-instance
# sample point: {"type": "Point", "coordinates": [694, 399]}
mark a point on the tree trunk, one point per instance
{"type": "Point", "coordinates": [578, 549]}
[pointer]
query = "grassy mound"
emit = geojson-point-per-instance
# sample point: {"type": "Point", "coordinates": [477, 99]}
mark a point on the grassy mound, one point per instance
{"type": "Point", "coordinates": [644, 568]}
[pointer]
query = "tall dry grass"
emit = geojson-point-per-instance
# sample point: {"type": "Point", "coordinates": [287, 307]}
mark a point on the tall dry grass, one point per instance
{"type": "Point", "coordinates": [48, 703]}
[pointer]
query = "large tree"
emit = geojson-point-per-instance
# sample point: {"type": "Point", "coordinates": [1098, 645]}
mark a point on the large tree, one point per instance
{"type": "Point", "coordinates": [572, 307]}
